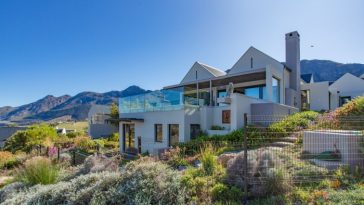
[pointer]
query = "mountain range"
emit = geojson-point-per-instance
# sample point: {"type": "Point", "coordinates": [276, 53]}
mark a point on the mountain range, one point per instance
{"type": "Point", "coordinates": [76, 108]}
{"type": "Point", "coordinates": [64, 107]}
{"type": "Point", "coordinates": [325, 70]}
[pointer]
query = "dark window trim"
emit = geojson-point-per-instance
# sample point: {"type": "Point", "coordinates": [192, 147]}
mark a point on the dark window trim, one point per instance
{"type": "Point", "coordinates": [155, 133]}
{"type": "Point", "coordinates": [169, 133]}
{"type": "Point", "coordinates": [191, 125]}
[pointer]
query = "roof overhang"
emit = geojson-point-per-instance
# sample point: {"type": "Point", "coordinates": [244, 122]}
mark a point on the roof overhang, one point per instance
{"type": "Point", "coordinates": [246, 76]}
{"type": "Point", "coordinates": [131, 120]}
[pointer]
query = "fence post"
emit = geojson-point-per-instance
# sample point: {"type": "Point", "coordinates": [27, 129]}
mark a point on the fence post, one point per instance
{"type": "Point", "coordinates": [245, 136]}
{"type": "Point", "coordinates": [74, 157]}
{"type": "Point", "coordinates": [58, 153]}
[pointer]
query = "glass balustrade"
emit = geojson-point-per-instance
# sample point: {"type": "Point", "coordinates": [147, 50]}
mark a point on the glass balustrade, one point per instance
{"type": "Point", "coordinates": [162, 100]}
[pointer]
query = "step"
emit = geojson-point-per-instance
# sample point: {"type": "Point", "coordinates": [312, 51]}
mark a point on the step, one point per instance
{"type": "Point", "coordinates": [289, 139]}
{"type": "Point", "coordinates": [281, 144]}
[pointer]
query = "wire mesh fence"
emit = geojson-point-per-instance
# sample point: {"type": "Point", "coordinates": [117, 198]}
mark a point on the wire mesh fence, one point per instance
{"type": "Point", "coordinates": [302, 150]}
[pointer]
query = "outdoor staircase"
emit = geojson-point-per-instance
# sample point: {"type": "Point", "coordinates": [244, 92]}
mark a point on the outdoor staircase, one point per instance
{"type": "Point", "coordinates": [284, 142]}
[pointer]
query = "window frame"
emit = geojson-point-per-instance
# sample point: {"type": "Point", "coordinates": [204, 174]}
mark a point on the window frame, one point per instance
{"type": "Point", "coordinates": [156, 133]}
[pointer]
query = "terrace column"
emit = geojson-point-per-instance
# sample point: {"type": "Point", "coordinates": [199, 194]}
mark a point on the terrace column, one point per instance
{"type": "Point", "coordinates": [198, 94]}
{"type": "Point", "coordinates": [268, 83]}
{"type": "Point", "coordinates": [210, 93]}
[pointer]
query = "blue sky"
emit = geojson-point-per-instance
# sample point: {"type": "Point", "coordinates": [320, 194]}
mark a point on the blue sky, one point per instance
{"type": "Point", "coordinates": [69, 46]}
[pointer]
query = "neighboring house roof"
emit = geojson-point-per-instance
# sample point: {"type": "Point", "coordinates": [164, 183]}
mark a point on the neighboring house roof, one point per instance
{"type": "Point", "coordinates": [347, 82]}
{"type": "Point", "coordinates": [307, 77]}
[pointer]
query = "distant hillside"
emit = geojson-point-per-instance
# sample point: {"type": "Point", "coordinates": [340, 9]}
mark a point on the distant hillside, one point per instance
{"type": "Point", "coordinates": [75, 108]}
{"type": "Point", "coordinates": [325, 70]}
{"type": "Point", "coordinates": [42, 105]}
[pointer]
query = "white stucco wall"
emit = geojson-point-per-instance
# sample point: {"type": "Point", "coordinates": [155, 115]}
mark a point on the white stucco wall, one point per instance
{"type": "Point", "coordinates": [146, 129]}
{"type": "Point", "coordinates": [260, 60]}
{"type": "Point", "coordinates": [319, 95]}
{"type": "Point", "coordinates": [202, 74]}
{"type": "Point", "coordinates": [240, 104]}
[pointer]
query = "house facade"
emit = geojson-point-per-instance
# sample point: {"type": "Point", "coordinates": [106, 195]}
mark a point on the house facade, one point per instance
{"type": "Point", "coordinates": [207, 97]}
{"type": "Point", "coordinates": [99, 125]}
{"type": "Point", "coordinates": [330, 95]}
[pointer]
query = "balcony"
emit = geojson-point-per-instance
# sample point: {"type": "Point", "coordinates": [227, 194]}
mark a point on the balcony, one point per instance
{"type": "Point", "coordinates": [162, 100]}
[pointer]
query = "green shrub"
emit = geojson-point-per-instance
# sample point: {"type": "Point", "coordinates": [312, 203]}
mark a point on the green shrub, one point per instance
{"type": "Point", "coordinates": [221, 192]}
{"type": "Point", "coordinates": [35, 135]}
{"type": "Point", "coordinates": [114, 137]}
{"type": "Point", "coordinates": [217, 127]}
{"type": "Point", "coordinates": [84, 143]}
{"type": "Point", "coordinates": [38, 170]}
{"type": "Point", "coordinates": [291, 123]}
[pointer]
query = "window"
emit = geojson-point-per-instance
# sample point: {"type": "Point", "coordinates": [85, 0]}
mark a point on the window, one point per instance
{"type": "Point", "coordinates": [276, 90]}
{"type": "Point", "coordinates": [221, 94]}
{"type": "Point", "coordinates": [158, 132]}
{"type": "Point", "coordinates": [256, 92]}
{"type": "Point", "coordinates": [173, 134]}
{"type": "Point", "coordinates": [251, 62]}
{"type": "Point", "coordinates": [344, 100]}
{"type": "Point", "coordinates": [195, 131]}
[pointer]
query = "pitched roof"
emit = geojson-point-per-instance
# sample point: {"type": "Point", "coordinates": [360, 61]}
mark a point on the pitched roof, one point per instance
{"type": "Point", "coordinates": [306, 77]}
{"type": "Point", "coordinates": [214, 71]}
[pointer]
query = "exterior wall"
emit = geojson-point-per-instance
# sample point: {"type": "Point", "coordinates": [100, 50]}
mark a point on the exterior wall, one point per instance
{"type": "Point", "coordinates": [347, 85]}
{"type": "Point", "coordinates": [240, 104]}
{"type": "Point", "coordinates": [267, 113]}
{"type": "Point", "coordinates": [202, 74]}
{"type": "Point", "coordinates": [347, 142]}
{"type": "Point", "coordinates": [319, 95]}
{"type": "Point", "coordinates": [146, 129]}
{"type": "Point", "coordinates": [6, 132]}
{"type": "Point", "coordinates": [213, 116]}
{"type": "Point", "coordinates": [260, 60]}
{"type": "Point", "coordinates": [101, 130]}
{"type": "Point", "coordinates": [290, 95]}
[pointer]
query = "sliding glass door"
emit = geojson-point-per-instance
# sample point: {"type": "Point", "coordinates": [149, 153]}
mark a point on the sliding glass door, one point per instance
{"type": "Point", "coordinates": [129, 138]}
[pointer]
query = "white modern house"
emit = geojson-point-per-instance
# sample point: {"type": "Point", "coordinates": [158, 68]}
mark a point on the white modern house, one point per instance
{"type": "Point", "coordinates": [257, 85]}
{"type": "Point", "coordinates": [330, 95]}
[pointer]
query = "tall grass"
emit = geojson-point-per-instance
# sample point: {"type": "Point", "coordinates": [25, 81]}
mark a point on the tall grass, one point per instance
{"type": "Point", "coordinates": [208, 160]}
{"type": "Point", "coordinates": [38, 170]}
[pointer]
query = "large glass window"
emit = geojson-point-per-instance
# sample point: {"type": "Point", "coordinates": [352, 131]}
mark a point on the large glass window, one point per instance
{"type": "Point", "coordinates": [173, 134]}
{"type": "Point", "coordinates": [158, 132]}
{"type": "Point", "coordinates": [256, 92]}
{"type": "Point", "coordinates": [276, 90]}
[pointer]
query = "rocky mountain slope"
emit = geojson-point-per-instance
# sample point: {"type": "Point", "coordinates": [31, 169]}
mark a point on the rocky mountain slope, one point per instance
{"type": "Point", "coordinates": [76, 107]}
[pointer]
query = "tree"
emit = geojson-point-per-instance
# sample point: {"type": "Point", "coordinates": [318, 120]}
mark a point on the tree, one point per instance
{"type": "Point", "coordinates": [114, 111]}
{"type": "Point", "coordinates": [114, 114]}
{"type": "Point", "coordinates": [35, 135]}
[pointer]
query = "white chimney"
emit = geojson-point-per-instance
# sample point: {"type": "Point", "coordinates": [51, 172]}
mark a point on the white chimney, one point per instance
{"type": "Point", "coordinates": [293, 62]}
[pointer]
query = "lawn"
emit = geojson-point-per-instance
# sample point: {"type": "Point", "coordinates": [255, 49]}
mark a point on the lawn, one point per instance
{"type": "Point", "coordinates": [78, 126]}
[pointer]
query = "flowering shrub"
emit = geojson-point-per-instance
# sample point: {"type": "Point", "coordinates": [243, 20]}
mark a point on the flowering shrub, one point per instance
{"type": "Point", "coordinates": [7, 159]}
